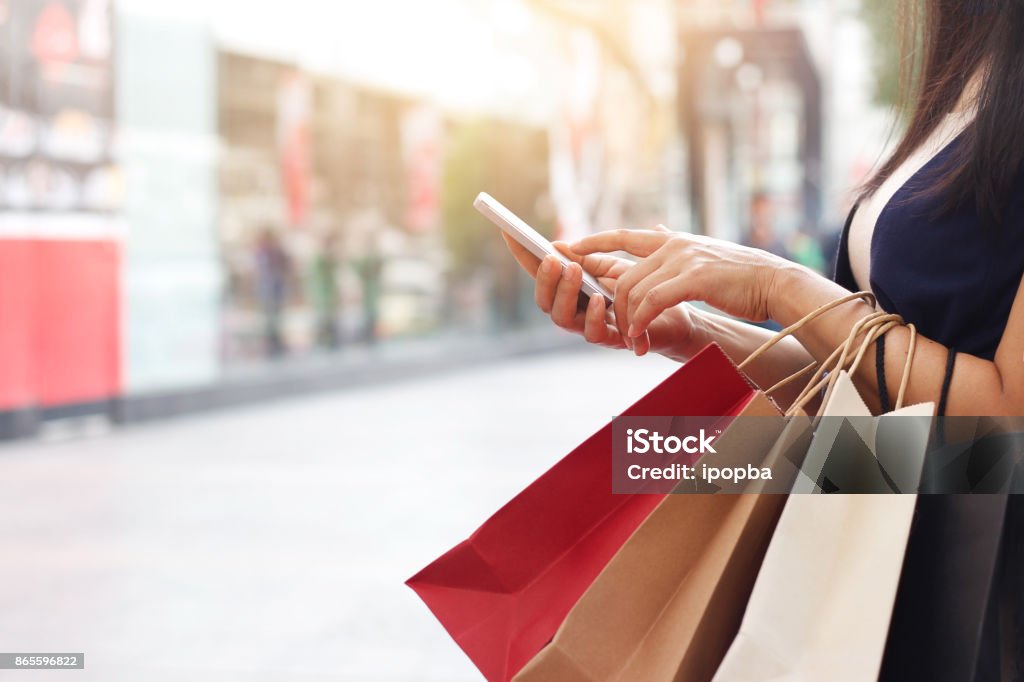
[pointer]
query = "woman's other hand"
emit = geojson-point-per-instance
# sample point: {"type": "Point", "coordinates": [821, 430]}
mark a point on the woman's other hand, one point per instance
{"type": "Point", "coordinates": [678, 267]}
{"type": "Point", "coordinates": [556, 292]}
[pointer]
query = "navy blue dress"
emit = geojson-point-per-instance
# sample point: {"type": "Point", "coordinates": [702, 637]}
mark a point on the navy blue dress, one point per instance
{"type": "Point", "coordinates": [951, 275]}
{"type": "Point", "coordinates": [955, 278]}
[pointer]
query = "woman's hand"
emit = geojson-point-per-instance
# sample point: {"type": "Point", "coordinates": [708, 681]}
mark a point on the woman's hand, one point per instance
{"type": "Point", "coordinates": [556, 293]}
{"type": "Point", "coordinates": [679, 267]}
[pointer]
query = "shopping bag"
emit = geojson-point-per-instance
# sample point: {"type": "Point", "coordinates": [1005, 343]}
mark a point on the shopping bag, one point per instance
{"type": "Point", "coordinates": [854, 452]}
{"type": "Point", "coordinates": [502, 593]}
{"type": "Point", "coordinates": [822, 602]}
{"type": "Point", "coordinates": [962, 563]}
{"type": "Point", "coordinates": [669, 602]}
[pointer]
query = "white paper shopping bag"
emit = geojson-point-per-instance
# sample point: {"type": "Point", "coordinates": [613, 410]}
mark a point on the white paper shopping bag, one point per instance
{"type": "Point", "coordinates": [823, 599]}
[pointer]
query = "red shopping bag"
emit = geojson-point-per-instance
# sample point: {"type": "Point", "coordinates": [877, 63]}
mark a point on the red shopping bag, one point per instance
{"type": "Point", "coordinates": [503, 593]}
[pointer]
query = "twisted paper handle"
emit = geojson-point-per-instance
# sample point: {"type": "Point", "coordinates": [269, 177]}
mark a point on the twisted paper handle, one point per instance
{"type": "Point", "coordinates": [873, 327]}
{"type": "Point", "coordinates": [866, 296]}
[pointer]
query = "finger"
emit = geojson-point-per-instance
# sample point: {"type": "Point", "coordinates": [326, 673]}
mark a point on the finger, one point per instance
{"type": "Point", "coordinates": [548, 274]}
{"type": "Point", "coordinates": [665, 295]}
{"type": "Point", "coordinates": [567, 296]}
{"type": "Point", "coordinates": [623, 287]}
{"type": "Point", "coordinates": [527, 261]}
{"type": "Point", "coordinates": [640, 243]}
{"type": "Point", "coordinates": [564, 249]}
{"type": "Point", "coordinates": [642, 345]}
{"type": "Point", "coordinates": [597, 328]}
{"type": "Point", "coordinates": [598, 265]}
{"type": "Point", "coordinates": [609, 284]}
{"type": "Point", "coordinates": [639, 292]}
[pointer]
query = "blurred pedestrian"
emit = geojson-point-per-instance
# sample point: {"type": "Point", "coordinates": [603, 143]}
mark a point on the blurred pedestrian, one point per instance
{"type": "Point", "coordinates": [369, 268]}
{"type": "Point", "coordinates": [323, 290]}
{"type": "Point", "coordinates": [762, 226]}
{"type": "Point", "coordinates": [806, 250]}
{"type": "Point", "coordinates": [273, 267]}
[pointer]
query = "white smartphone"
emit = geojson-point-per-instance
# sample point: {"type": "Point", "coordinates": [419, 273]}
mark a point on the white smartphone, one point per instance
{"type": "Point", "coordinates": [534, 242]}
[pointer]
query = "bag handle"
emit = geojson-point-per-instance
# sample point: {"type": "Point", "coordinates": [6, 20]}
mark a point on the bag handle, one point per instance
{"type": "Point", "coordinates": [837, 360]}
{"type": "Point", "coordinates": [905, 379]}
{"type": "Point", "coordinates": [876, 326]}
{"type": "Point", "coordinates": [879, 329]}
{"type": "Point", "coordinates": [874, 329]}
{"type": "Point", "coordinates": [866, 296]}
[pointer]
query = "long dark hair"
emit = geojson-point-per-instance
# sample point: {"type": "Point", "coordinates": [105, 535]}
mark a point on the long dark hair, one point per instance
{"type": "Point", "coordinates": [946, 42]}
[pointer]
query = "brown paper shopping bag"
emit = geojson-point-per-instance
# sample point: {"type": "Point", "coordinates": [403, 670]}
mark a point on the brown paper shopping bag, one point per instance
{"type": "Point", "coordinates": [669, 603]}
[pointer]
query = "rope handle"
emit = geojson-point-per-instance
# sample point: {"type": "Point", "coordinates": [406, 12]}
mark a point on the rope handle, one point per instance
{"type": "Point", "coordinates": [866, 296]}
{"type": "Point", "coordinates": [874, 331]}
{"type": "Point", "coordinates": [872, 327]}
{"type": "Point", "coordinates": [876, 326]}
{"type": "Point", "coordinates": [905, 379]}
{"type": "Point", "coordinates": [838, 359]}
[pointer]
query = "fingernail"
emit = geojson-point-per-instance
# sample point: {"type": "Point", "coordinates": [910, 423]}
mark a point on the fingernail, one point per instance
{"type": "Point", "coordinates": [594, 298]}
{"type": "Point", "coordinates": [631, 332]}
{"type": "Point", "coordinates": [545, 266]}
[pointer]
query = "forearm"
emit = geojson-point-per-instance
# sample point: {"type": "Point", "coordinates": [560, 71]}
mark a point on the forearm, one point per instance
{"type": "Point", "coordinates": [752, 284]}
{"type": "Point", "coordinates": [739, 339]}
{"type": "Point", "coordinates": [978, 386]}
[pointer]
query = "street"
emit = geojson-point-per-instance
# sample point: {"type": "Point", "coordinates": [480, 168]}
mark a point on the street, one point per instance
{"type": "Point", "coordinates": [272, 542]}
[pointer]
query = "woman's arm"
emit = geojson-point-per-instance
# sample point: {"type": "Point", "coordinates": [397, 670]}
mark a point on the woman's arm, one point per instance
{"type": "Point", "coordinates": [978, 387]}
{"type": "Point", "coordinates": [755, 285]}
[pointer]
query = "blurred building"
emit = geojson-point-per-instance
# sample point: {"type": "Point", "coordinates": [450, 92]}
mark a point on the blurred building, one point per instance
{"type": "Point", "coordinates": [60, 201]}
{"type": "Point", "coordinates": [751, 106]}
{"type": "Point", "coordinates": [171, 208]}
{"type": "Point", "coordinates": [775, 103]}
{"type": "Point", "coordinates": [199, 191]}
{"type": "Point", "coordinates": [616, 157]}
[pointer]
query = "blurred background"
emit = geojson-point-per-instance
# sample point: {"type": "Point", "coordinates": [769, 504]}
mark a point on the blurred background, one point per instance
{"type": "Point", "coordinates": [199, 191]}
{"type": "Point", "coordinates": [214, 202]}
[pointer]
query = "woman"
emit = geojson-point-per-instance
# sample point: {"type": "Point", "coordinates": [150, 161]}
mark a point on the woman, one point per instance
{"type": "Point", "coordinates": [937, 235]}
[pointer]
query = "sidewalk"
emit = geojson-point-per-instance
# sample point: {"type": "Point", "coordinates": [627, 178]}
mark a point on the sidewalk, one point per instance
{"type": "Point", "coordinates": [271, 542]}
{"type": "Point", "coordinates": [357, 366]}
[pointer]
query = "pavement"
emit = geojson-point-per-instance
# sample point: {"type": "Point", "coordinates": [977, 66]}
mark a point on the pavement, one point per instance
{"type": "Point", "coordinates": [271, 541]}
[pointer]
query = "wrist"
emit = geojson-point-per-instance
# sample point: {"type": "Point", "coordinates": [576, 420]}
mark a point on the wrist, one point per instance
{"type": "Point", "coordinates": [693, 333]}
{"type": "Point", "coordinates": [787, 278]}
